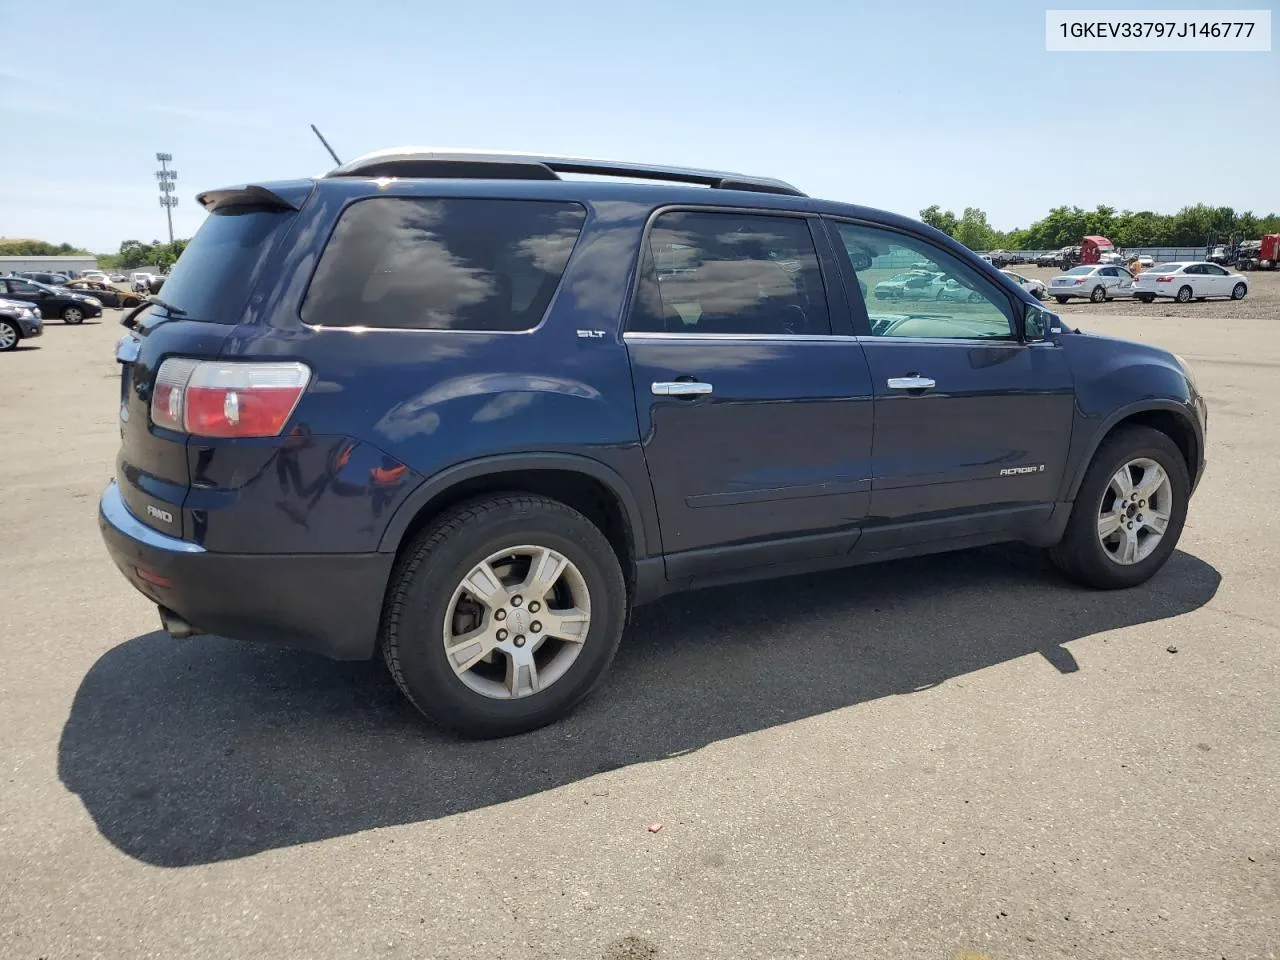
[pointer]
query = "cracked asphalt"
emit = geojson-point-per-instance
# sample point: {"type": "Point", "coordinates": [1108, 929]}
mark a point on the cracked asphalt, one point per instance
{"type": "Point", "coordinates": [950, 757]}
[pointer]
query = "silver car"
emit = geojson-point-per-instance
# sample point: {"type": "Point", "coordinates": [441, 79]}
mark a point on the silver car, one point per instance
{"type": "Point", "coordinates": [1093, 281]}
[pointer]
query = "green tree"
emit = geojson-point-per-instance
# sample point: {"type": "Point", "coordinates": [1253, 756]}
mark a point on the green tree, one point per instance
{"type": "Point", "coordinates": [940, 219]}
{"type": "Point", "coordinates": [974, 231]}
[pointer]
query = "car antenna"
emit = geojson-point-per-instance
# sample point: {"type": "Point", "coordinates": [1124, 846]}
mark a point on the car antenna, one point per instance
{"type": "Point", "coordinates": [326, 144]}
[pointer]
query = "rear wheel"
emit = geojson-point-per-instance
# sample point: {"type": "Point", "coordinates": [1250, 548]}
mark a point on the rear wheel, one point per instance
{"type": "Point", "coordinates": [73, 315]}
{"type": "Point", "coordinates": [1238, 291]}
{"type": "Point", "coordinates": [1128, 513]}
{"type": "Point", "coordinates": [503, 614]}
{"type": "Point", "coordinates": [1184, 295]}
{"type": "Point", "coordinates": [1062, 299]}
{"type": "Point", "coordinates": [9, 335]}
{"type": "Point", "coordinates": [1099, 294]}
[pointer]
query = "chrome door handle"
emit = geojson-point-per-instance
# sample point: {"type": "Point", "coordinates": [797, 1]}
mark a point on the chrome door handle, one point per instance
{"type": "Point", "coordinates": [911, 383]}
{"type": "Point", "coordinates": [680, 388]}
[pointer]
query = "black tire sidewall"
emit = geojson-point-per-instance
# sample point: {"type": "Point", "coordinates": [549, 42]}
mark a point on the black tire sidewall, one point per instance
{"type": "Point", "coordinates": [1240, 287]}
{"type": "Point", "coordinates": [425, 669]}
{"type": "Point", "coordinates": [1098, 295]}
{"type": "Point", "coordinates": [1129, 446]}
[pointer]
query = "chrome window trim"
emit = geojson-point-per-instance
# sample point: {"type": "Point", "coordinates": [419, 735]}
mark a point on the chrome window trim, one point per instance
{"type": "Point", "coordinates": [821, 338]}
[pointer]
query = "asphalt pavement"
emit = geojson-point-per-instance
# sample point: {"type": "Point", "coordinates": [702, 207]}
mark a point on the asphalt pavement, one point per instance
{"type": "Point", "coordinates": [950, 757]}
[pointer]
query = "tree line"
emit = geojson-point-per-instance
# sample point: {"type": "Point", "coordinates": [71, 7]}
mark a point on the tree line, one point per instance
{"type": "Point", "coordinates": [132, 253]}
{"type": "Point", "coordinates": [135, 253]}
{"type": "Point", "coordinates": [1200, 225]}
{"type": "Point", "coordinates": [38, 248]}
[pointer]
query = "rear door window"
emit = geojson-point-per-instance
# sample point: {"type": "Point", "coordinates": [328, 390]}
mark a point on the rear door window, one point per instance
{"type": "Point", "coordinates": [443, 264]}
{"type": "Point", "coordinates": [730, 274]}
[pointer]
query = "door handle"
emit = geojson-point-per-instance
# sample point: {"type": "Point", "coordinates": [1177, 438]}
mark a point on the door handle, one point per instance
{"type": "Point", "coordinates": [911, 383]}
{"type": "Point", "coordinates": [680, 388]}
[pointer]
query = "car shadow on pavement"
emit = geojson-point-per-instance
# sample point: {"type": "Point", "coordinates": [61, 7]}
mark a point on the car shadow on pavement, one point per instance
{"type": "Point", "coordinates": [197, 751]}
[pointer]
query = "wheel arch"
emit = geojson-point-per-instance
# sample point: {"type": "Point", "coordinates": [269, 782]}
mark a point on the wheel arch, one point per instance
{"type": "Point", "coordinates": [587, 485]}
{"type": "Point", "coordinates": [1166, 416]}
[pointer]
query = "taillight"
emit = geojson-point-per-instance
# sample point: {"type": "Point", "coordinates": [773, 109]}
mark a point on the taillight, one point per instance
{"type": "Point", "coordinates": [1164, 279]}
{"type": "Point", "coordinates": [1080, 281]}
{"type": "Point", "coordinates": [220, 398]}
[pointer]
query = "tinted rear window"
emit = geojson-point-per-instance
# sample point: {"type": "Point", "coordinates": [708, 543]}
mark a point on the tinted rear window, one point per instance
{"type": "Point", "coordinates": [213, 277]}
{"type": "Point", "coordinates": [443, 264]}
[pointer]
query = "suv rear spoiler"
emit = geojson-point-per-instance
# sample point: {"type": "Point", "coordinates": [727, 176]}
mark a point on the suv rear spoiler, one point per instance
{"type": "Point", "coordinates": [282, 196]}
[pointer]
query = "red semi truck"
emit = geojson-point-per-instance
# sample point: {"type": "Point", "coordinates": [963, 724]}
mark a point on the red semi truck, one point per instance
{"type": "Point", "coordinates": [1091, 250]}
{"type": "Point", "coordinates": [1261, 254]}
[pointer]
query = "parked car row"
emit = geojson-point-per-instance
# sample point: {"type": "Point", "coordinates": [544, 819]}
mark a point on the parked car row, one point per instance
{"type": "Point", "coordinates": [923, 283]}
{"type": "Point", "coordinates": [1181, 281]}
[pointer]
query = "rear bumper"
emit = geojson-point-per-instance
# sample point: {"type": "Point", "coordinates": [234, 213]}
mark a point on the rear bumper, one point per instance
{"type": "Point", "coordinates": [328, 604]}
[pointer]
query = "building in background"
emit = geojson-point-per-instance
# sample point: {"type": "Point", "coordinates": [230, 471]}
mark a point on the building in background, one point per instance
{"type": "Point", "coordinates": [71, 266]}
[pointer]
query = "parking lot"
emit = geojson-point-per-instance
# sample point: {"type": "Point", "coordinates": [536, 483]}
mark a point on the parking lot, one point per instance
{"type": "Point", "coordinates": [958, 756]}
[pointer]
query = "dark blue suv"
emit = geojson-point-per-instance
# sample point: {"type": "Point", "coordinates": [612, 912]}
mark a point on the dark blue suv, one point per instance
{"type": "Point", "coordinates": [460, 410]}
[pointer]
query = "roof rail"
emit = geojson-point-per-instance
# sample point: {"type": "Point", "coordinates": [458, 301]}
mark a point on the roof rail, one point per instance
{"type": "Point", "coordinates": [506, 165]}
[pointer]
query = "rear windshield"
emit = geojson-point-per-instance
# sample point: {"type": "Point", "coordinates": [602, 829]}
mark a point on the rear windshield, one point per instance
{"type": "Point", "coordinates": [443, 264]}
{"type": "Point", "coordinates": [1165, 268]}
{"type": "Point", "coordinates": [212, 279]}
{"type": "Point", "coordinates": [1080, 271]}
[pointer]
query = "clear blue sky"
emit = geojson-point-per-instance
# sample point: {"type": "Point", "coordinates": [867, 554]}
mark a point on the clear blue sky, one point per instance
{"type": "Point", "coordinates": [891, 104]}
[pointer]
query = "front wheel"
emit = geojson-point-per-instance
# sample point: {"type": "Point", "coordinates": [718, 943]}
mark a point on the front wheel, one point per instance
{"type": "Point", "coordinates": [1238, 291]}
{"type": "Point", "coordinates": [9, 335]}
{"type": "Point", "coordinates": [1062, 299]}
{"type": "Point", "coordinates": [1146, 297]}
{"type": "Point", "coordinates": [503, 614]}
{"type": "Point", "coordinates": [73, 315]}
{"type": "Point", "coordinates": [1184, 295]}
{"type": "Point", "coordinates": [1128, 513]}
{"type": "Point", "coordinates": [1099, 294]}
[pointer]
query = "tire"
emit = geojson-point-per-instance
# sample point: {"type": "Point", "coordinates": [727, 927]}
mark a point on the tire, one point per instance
{"type": "Point", "coordinates": [73, 315]}
{"type": "Point", "coordinates": [1081, 555]}
{"type": "Point", "coordinates": [427, 582]}
{"type": "Point", "coordinates": [1062, 299]}
{"type": "Point", "coordinates": [1184, 295]}
{"type": "Point", "coordinates": [1238, 291]}
{"type": "Point", "coordinates": [128, 303]}
{"type": "Point", "coordinates": [1146, 297]}
{"type": "Point", "coordinates": [1098, 295]}
{"type": "Point", "coordinates": [9, 335]}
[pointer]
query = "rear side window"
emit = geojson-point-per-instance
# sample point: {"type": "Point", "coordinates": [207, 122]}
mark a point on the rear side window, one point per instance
{"type": "Point", "coordinates": [212, 279]}
{"type": "Point", "coordinates": [730, 274]}
{"type": "Point", "coordinates": [443, 264]}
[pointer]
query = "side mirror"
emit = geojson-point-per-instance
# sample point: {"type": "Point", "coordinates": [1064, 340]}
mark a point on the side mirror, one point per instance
{"type": "Point", "coordinates": [1038, 324]}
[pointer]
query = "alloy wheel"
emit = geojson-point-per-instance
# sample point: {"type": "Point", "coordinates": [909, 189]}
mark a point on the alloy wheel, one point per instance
{"type": "Point", "coordinates": [1135, 510]}
{"type": "Point", "coordinates": [517, 622]}
{"type": "Point", "coordinates": [8, 336]}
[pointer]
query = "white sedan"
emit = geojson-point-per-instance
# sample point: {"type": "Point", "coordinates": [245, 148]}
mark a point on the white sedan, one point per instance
{"type": "Point", "coordinates": [1189, 281]}
{"type": "Point", "coordinates": [1034, 287]}
{"type": "Point", "coordinates": [1094, 281]}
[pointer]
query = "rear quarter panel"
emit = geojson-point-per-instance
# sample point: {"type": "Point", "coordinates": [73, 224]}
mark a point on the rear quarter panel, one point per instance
{"type": "Point", "coordinates": [428, 400]}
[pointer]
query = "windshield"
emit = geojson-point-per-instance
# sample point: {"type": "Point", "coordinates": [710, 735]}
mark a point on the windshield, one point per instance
{"type": "Point", "coordinates": [216, 272]}
{"type": "Point", "coordinates": [1080, 271]}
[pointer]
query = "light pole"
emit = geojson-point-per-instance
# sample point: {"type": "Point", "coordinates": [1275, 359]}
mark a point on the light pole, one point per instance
{"type": "Point", "coordinates": [167, 185]}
